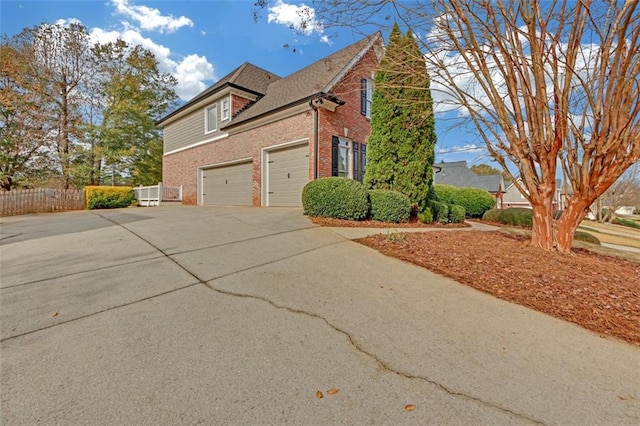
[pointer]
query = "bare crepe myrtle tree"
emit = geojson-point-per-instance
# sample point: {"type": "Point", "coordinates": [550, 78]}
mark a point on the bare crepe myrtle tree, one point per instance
{"type": "Point", "coordinates": [551, 87]}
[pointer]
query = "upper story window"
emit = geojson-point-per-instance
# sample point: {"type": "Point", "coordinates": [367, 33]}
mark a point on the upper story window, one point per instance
{"type": "Point", "coordinates": [224, 109]}
{"type": "Point", "coordinates": [211, 119]}
{"type": "Point", "coordinates": [366, 97]}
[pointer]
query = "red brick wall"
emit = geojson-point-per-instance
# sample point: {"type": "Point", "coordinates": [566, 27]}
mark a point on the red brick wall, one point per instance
{"type": "Point", "coordinates": [181, 168]}
{"type": "Point", "coordinates": [237, 103]}
{"type": "Point", "coordinates": [348, 115]}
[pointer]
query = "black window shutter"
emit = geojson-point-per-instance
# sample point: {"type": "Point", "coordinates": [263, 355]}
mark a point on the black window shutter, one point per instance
{"type": "Point", "coordinates": [363, 160]}
{"type": "Point", "coordinates": [363, 96]}
{"type": "Point", "coordinates": [356, 162]}
{"type": "Point", "coordinates": [334, 155]}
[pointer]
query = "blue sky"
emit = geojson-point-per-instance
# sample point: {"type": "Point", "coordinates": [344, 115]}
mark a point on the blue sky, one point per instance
{"type": "Point", "coordinates": [201, 41]}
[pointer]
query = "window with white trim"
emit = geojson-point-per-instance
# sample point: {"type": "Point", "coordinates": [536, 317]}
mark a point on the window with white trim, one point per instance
{"type": "Point", "coordinates": [224, 109]}
{"type": "Point", "coordinates": [366, 97]}
{"type": "Point", "coordinates": [211, 119]}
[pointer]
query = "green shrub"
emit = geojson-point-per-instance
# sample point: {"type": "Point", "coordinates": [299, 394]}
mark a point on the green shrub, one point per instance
{"type": "Point", "coordinates": [440, 211]}
{"type": "Point", "coordinates": [389, 206]}
{"type": "Point", "coordinates": [425, 216]}
{"type": "Point", "coordinates": [491, 215]}
{"type": "Point", "coordinates": [456, 213]}
{"type": "Point", "coordinates": [445, 193]}
{"type": "Point", "coordinates": [336, 197]}
{"type": "Point", "coordinates": [586, 237]}
{"type": "Point", "coordinates": [516, 216]}
{"type": "Point", "coordinates": [109, 197]}
{"type": "Point", "coordinates": [475, 201]}
{"type": "Point", "coordinates": [626, 222]}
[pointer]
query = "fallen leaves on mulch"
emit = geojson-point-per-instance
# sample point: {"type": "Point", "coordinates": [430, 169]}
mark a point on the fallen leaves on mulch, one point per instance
{"type": "Point", "coordinates": [413, 223]}
{"type": "Point", "coordinates": [598, 292]}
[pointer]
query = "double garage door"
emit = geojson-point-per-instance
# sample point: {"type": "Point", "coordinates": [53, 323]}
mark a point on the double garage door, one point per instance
{"type": "Point", "coordinates": [286, 173]}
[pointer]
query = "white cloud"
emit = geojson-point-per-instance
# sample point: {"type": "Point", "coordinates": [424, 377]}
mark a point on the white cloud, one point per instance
{"type": "Point", "coordinates": [151, 19]}
{"type": "Point", "coordinates": [301, 18]}
{"type": "Point", "coordinates": [326, 39]}
{"type": "Point", "coordinates": [191, 72]}
{"type": "Point", "coordinates": [460, 149]}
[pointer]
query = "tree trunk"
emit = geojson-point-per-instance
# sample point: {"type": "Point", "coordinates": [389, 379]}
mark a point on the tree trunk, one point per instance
{"type": "Point", "coordinates": [568, 223]}
{"type": "Point", "coordinates": [542, 230]}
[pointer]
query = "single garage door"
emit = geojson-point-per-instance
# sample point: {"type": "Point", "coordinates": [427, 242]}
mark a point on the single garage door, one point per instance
{"type": "Point", "coordinates": [288, 173]}
{"type": "Point", "coordinates": [228, 185]}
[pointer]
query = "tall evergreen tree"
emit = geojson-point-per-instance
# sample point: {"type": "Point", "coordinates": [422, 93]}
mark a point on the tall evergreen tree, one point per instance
{"type": "Point", "coordinates": [400, 151]}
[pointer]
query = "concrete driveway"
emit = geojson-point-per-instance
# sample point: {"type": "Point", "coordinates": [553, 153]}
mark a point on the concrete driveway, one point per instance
{"type": "Point", "coordinates": [184, 315]}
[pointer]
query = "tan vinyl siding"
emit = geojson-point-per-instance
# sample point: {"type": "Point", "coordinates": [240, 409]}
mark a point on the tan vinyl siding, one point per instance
{"type": "Point", "coordinates": [190, 130]}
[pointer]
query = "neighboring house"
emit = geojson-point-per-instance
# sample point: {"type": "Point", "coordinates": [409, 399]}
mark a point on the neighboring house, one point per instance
{"type": "Point", "coordinates": [254, 138]}
{"type": "Point", "coordinates": [514, 198]}
{"type": "Point", "coordinates": [457, 173]}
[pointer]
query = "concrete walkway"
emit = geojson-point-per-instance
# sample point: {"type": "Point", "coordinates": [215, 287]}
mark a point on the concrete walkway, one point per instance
{"type": "Point", "coordinates": [185, 315]}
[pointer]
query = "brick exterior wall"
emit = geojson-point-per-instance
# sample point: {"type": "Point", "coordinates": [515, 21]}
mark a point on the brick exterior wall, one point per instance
{"type": "Point", "coordinates": [181, 168]}
{"type": "Point", "coordinates": [237, 103]}
{"type": "Point", "coordinates": [348, 115]}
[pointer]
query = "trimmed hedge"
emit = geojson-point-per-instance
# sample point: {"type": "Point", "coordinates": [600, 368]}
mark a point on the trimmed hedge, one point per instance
{"type": "Point", "coordinates": [586, 237]}
{"type": "Point", "coordinates": [425, 216]}
{"type": "Point", "coordinates": [626, 222]}
{"type": "Point", "coordinates": [445, 193]}
{"type": "Point", "coordinates": [491, 215]}
{"type": "Point", "coordinates": [440, 211]}
{"type": "Point", "coordinates": [336, 197]}
{"type": "Point", "coordinates": [389, 206]}
{"type": "Point", "coordinates": [109, 197]}
{"type": "Point", "coordinates": [516, 216]}
{"type": "Point", "coordinates": [456, 213]}
{"type": "Point", "coordinates": [475, 201]}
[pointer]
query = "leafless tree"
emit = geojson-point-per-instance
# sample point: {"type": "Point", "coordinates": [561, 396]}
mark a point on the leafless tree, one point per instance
{"type": "Point", "coordinates": [625, 192]}
{"type": "Point", "coordinates": [551, 87]}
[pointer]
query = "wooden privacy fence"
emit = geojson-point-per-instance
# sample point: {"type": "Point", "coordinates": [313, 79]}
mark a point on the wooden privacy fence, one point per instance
{"type": "Point", "coordinates": [40, 200]}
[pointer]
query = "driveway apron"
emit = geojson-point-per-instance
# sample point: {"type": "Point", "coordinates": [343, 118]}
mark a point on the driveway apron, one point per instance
{"type": "Point", "coordinates": [219, 315]}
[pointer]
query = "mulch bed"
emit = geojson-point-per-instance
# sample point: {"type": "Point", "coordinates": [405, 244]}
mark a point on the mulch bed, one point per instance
{"type": "Point", "coordinates": [413, 223]}
{"type": "Point", "coordinates": [598, 292]}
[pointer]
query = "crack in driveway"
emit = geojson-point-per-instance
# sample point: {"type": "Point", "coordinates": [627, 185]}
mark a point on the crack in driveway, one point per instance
{"type": "Point", "coordinates": [357, 346]}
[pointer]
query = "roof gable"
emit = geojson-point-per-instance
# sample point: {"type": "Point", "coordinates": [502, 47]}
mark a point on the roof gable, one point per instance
{"type": "Point", "coordinates": [317, 78]}
{"type": "Point", "coordinates": [247, 77]}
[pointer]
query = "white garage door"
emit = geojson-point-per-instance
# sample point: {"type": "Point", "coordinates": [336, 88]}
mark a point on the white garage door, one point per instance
{"type": "Point", "coordinates": [228, 185]}
{"type": "Point", "coordinates": [288, 173]}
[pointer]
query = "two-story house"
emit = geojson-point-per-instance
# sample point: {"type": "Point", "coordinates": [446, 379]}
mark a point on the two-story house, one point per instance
{"type": "Point", "coordinates": [254, 138]}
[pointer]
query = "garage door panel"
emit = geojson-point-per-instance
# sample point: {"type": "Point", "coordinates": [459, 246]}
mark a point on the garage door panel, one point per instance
{"type": "Point", "coordinates": [288, 173]}
{"type": "Point", "coordinates": [228, 185]}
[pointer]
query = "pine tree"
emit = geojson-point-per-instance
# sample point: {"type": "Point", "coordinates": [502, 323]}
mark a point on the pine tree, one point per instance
{"type": "Point", "coordinates": [400, 152]}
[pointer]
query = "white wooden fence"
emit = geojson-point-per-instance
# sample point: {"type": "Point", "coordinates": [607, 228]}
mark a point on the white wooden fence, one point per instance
{"type": "Point", "coordinates": [155, 195]}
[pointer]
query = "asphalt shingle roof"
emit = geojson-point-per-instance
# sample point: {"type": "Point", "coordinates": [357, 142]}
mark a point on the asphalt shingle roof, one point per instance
{"type": "Point", "coordinates": [457, 173]}
{"type": "Point", "coordinates": [247, 76]}
{"type": "Point", "coordinates": [304, 84]}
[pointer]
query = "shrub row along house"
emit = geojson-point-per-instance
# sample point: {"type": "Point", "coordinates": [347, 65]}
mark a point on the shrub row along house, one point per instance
{"type": "Point", "coordinates": [254, 138]}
